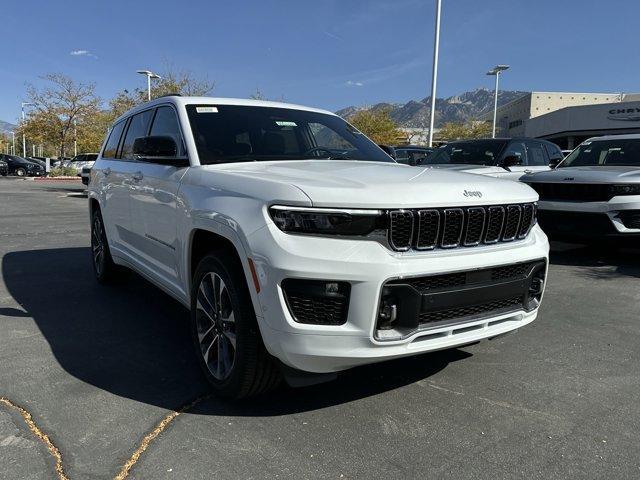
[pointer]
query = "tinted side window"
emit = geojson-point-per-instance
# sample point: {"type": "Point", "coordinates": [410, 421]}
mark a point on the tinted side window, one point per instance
{"type": "Point", "coordinates": [536, 155]}
{"type": "Point", "coordinates": [166, 123]}
{"type": "Point", "coordinates": [138, 127]}
{"type": "Point", "coordinates": [111, 147]}
{"type": "Point", "coordinates": [402, 156]}
{"type": "Point", "coordinates": [554, 152]}
{"type": "Point", "coordinates": [516, 149]}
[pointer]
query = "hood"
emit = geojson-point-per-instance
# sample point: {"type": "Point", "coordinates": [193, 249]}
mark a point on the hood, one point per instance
{"type": "Point", "coordinates": [592, 174]}
{"type": "Point", "coordinates": [335, 183]}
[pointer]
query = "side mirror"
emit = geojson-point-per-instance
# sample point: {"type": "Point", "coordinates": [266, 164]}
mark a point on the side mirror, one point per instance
{"type": "Point", "coordinates": [511, 161]}
{"type": "Point", "coordinates": [158, 149]}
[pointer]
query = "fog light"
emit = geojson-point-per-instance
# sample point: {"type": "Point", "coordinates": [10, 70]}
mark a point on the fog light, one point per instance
{"type": "Point", "coordinates": [331, 288]}
{"type": "Point", "coordinates": [536, 288]}
{"type": "Point", "coordinates": [387, 315]}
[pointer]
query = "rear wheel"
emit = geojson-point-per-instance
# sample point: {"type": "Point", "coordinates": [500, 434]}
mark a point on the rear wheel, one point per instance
{"type": "Point", "coordinates": [225, 332]}
{"type": "Point", "coordinates": [105, 269]}
{"type": "Point", "coordinates": [21, 172]}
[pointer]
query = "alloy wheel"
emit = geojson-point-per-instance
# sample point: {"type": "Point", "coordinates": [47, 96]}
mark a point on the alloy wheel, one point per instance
{"type": "Point", "coordinates": [216, 326]}
{"type": "Point", "coordinates": [97, 245]}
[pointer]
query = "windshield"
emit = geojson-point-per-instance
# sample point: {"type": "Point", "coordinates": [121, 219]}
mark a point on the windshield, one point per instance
{"type": "Point", "coordinates": [483, 152]}
{"type": "Point", "coordinates": [623, 152]}
{"type": "Point", "coordinates": [232, 133]}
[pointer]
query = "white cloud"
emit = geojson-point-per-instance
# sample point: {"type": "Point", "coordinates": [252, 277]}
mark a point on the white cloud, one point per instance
{"type": "Point", "coordinates": [351, 83]}
{"type": "Point", "coordinates": [82, 53]}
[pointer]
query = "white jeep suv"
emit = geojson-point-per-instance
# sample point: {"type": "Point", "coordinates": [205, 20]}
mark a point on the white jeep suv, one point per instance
{"type": "Point", "coordinates": [300, 247]}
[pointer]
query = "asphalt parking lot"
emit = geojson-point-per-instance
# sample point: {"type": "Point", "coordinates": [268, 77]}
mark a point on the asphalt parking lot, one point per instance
{"type": "Point", "coordinates": [98, 369]}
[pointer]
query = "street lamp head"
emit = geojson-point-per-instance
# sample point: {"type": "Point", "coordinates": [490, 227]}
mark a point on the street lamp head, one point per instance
{"type": "Point", "coordinates": [497, 69]}
{"type": "Point", "coordinates": [145, 72]}
{"type": "Point", "coordinates": [153, 75]}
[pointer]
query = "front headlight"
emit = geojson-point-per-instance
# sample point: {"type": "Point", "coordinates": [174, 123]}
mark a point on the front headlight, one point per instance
{"type": "Point", "coordinates": [327, 221]}
{"type": "Point", "coordinates": [629, 189]}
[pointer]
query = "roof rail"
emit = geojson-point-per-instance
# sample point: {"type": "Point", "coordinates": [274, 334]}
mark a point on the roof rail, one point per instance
{"type": "Point", "coordinates": [169, 95]}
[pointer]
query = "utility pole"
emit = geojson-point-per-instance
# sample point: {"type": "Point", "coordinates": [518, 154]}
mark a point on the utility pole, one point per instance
{"type": "Point", "coordinates": [13, 146]}
{"type": "Point", "coordinates": [434, 72]}
{"type": "Point", "coordinates": [496, 71]}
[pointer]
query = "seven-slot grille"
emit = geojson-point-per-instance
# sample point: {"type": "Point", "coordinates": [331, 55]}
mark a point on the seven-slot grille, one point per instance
{"type": "Point", "coordinates": [428, 229]}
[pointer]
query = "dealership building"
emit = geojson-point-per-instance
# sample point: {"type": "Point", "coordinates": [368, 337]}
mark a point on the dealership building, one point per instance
{"type": "Point", "coordinates": [568, 118]}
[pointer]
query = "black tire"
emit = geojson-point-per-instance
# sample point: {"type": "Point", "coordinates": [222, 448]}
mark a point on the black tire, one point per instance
{"type": "Point", "coordinates": [21, 172]}
{"type": "Point", "coordinates": [106, 271]}
{"type": "Point", "coordinates": [252, 370]}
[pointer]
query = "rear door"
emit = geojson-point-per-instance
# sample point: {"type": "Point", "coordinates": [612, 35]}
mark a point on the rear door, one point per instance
{"type": "Point", "coordinates": [109, 180]}
{"type": "Point", "coordinates": [154, 205]}
{"type": "Point", "coordinates": [537, 157]}
{"type": "Point", "coordinates": [125, 187]}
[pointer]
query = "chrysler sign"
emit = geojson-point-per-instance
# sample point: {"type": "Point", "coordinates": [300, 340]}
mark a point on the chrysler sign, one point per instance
{"type": "Point", "coordinates": [624, 114]}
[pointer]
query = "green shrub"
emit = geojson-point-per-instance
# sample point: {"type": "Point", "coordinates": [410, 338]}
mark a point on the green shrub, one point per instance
{"type": "Point", "coordinates": [63, 172]}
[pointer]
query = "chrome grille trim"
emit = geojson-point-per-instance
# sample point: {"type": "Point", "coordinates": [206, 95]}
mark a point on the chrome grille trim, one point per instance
{"type": "Point", "coordinates": [406, 217]}
{"type": "Point", "coordinates": [428, 243]}
{"type": "Point", "coordinates": [511, 226]}
{"type": "Point", "coordinates": [494, 212]}
{"type": "Point", "coordinates": [473, 243]}
{"type": "Point", "coordinates": [449, 224]}
{"type": "Point", "coordinates": [433, 228]}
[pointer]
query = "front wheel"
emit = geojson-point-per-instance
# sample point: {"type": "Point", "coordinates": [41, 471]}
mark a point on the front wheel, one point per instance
{"type": "Point", "coordinates": [225, 331]}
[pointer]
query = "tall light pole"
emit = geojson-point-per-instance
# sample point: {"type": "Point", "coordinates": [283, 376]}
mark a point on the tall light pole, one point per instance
{"type": "Point", "coordinates": [24, 140]}
{"type": "Point", "coordinates": [434, 72]}
{"type": "Point", "coordinates": [75, 138]}
{"type": "Point", "coordinates": [13, 146]}
{"type": "Point", "coordinates": [149, 75]}
{"type": "Point", "coordinates": [496, 71]}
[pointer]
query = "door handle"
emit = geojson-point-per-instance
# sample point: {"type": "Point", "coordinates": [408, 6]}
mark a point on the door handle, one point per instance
{"type": "Point", "coordinates": [137, 176]}
{"type": "Point", "coordinates": [528, 171]}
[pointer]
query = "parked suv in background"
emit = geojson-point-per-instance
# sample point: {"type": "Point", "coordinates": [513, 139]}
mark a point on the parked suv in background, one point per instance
{"type": "Point", "coordinates": [408, 154]}
{"type": "Point", "coordinates": [290, 254]}
{"type": "Point", "coordinates": [594, 193]}
{"type": "Point", "coordinates": [508, 158]}
{"type": "Point", "coordinates": [80, 161]}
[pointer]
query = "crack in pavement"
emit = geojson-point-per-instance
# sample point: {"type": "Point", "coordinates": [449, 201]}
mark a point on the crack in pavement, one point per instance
{"type": "Point", "coordinates": [43, 437]}
{"type": "Point", "coordinates": [153, 434]}
{"type": "Point", "coordinates": [135, 456]}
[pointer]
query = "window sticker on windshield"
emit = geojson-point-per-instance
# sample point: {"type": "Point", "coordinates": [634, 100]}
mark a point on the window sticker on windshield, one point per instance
{"type": "Point", "coordinates": [282, 123]}
{"type": "Point", "coordinates": [206, 110]}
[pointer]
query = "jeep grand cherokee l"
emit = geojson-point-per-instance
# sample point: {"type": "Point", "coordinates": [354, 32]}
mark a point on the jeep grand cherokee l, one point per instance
{"type": "Point", "coordinates": [296, 242]}
{"type": "Point", "coordinates": [594, 194]}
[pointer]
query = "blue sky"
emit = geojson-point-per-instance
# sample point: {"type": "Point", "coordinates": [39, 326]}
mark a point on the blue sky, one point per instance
{"type": "Point", "coordinates": [324, 53]}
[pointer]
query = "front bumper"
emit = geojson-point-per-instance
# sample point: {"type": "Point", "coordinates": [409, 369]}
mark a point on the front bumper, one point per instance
{"type": "Point", "coordinates": [367, 266]}
{"type": "Point", "coordinates": [589, 220]}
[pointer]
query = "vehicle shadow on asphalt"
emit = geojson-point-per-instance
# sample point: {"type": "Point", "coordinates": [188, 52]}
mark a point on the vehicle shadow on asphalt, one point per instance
{"type": "Point", "coordinates": [601, 262]}
{"type": "Point", "coordinates": [133, 341]}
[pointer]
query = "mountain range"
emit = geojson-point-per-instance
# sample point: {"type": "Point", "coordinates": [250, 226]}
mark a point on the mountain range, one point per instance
{"type": "Point", "coordinates": [6, 127]}
{"type": "Point", "coordinates": [459, 108]}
